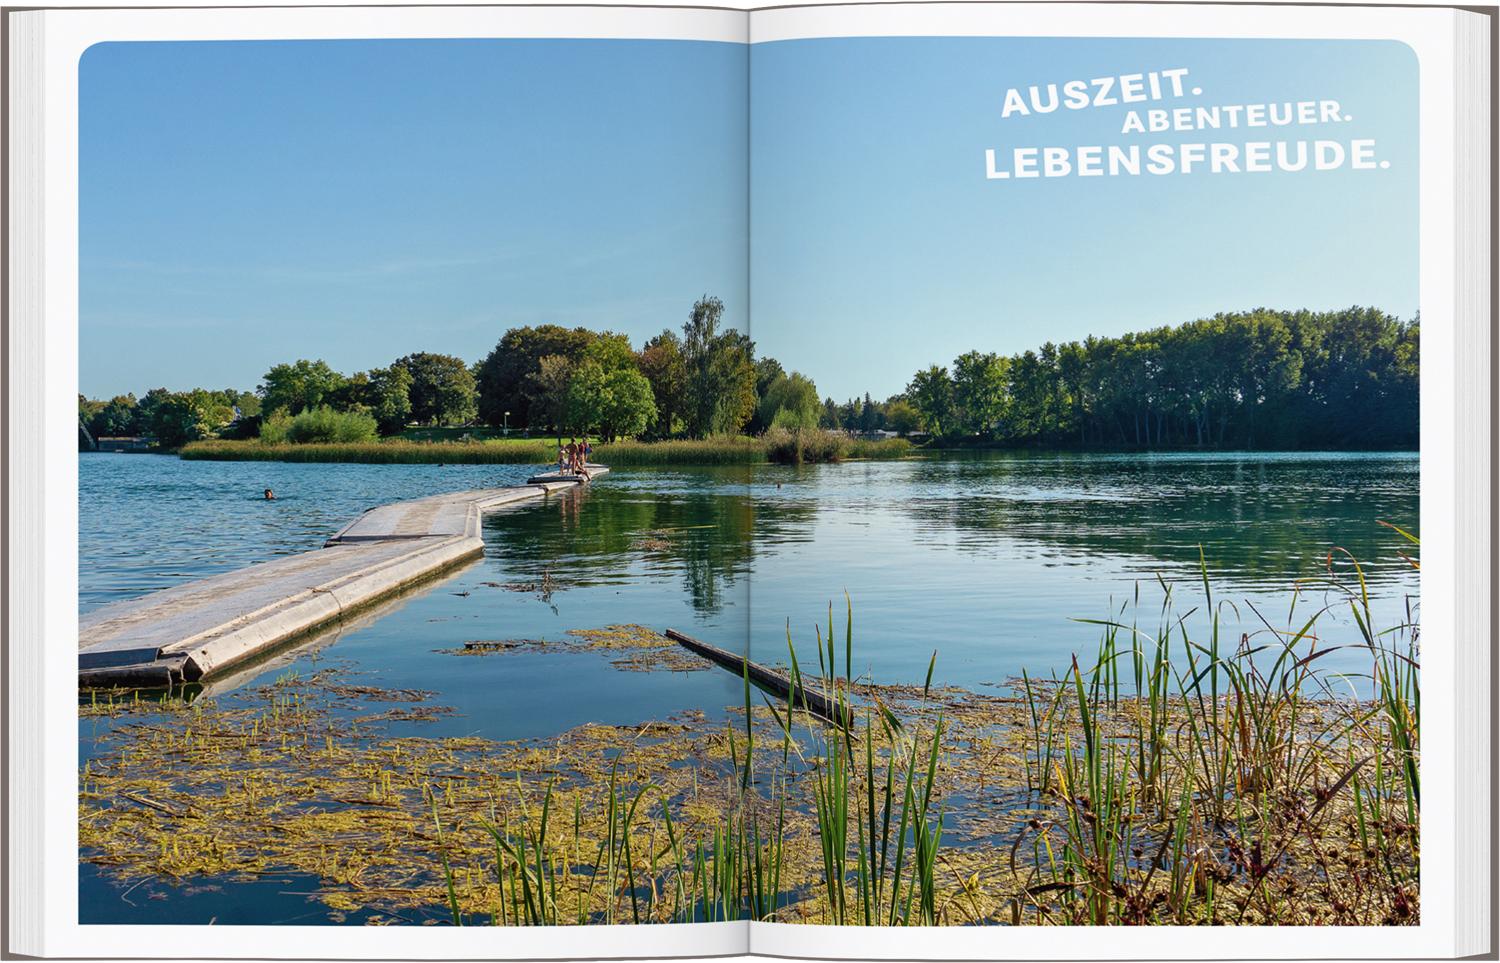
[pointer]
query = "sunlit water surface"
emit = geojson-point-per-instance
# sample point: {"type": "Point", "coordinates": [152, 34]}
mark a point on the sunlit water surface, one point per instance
{"type": "Point", "coordinates": [989, 560]}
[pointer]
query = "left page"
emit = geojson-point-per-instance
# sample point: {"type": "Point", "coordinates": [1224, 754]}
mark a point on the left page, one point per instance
{"type": "Point", "coordinates": [381, 334]}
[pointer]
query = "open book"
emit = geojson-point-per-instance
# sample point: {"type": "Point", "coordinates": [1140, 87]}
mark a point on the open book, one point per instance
{"type": "Point", "coordinates": [823, 481]}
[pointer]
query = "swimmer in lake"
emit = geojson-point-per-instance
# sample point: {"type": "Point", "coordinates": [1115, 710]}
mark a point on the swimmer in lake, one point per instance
{"type": "Point", "coordinates": [270, 495]}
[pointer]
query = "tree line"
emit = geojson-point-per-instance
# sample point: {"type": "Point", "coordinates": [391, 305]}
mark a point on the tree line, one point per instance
{"type": "Point", "coordinates": [1256, 379]}
{"type": "Point", "coordinates": [700, 382]}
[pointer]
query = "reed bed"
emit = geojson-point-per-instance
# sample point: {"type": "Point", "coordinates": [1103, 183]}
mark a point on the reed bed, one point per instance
{"type": "Point", "coordinates": [392, 451]}
{"type": "Point", "coordinates": [721, 450]}
{"type": "Point", "coordinates": [1192, 780]}
{"type": "Point", "coordinates": [1169, 778]}
{"type": "Point", "coordinates": [725, 450]}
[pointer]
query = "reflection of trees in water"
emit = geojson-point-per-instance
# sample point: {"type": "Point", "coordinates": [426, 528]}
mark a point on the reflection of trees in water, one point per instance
{"type": "Point", "coordinates": [1256, 519]}
{"type": "Point", "coordinates": [1260, 519]}
{"type": "Point", "coordinates": [595, 536]}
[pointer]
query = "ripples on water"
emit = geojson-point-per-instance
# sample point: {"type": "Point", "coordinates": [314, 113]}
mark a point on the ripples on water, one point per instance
{"type": "Point", "coordinates": [986, 558]}
{"type": "Point", "coordinates": [147, 522]}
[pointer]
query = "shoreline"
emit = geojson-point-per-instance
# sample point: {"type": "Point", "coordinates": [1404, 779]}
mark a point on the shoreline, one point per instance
{"type": "Point", "coordinates": [706, 453]}
{"type": "Point", "coordinates": [1076, 800]}
{"type": "Point", "coordinates": [737, 450]}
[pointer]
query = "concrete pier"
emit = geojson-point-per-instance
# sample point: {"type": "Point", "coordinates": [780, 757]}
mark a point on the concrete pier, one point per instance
{"type": "Point", "coordinates": [196, 630]}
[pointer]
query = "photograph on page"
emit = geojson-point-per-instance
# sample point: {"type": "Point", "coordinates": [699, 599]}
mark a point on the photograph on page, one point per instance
{"type": "Point", "coordinates": [858, 481]}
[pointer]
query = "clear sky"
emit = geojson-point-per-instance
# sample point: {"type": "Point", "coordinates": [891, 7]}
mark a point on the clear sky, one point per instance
{"type": "Point", "coordinates": [249, 203]}
{"type": "Point", "coordinates": [880, 247]}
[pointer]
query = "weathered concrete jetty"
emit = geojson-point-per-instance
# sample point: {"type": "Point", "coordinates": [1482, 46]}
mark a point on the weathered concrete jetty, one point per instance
{"type": "Point", "coordinates": [195, 630]}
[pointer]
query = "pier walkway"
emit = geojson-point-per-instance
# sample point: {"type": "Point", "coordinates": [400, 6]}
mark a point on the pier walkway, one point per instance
{"type": "Point", "coordinates": [192, 631]}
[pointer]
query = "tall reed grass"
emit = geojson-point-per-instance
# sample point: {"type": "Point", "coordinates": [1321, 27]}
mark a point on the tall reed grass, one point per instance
{"type": "Point", "coordinates": [1198, 780]}
{"type": "Point", "coordinates": [388, 452]}
{"type": "Point", "coordinates": [873, 804]}
{"type": "Point", "coordinates": [723, 450]}
{"type": "Point", "coordinates": [796, 446]}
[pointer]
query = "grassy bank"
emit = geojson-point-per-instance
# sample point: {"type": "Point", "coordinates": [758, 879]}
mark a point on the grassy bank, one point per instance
{"type": "Point", "coordinates": [1169, 778]}
{"type": "Point", "coordinates": [730, 450]}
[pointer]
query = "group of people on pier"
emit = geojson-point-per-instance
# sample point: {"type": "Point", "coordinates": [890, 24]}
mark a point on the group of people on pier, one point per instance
{"type": "Point", "coordinates": [573, 458]}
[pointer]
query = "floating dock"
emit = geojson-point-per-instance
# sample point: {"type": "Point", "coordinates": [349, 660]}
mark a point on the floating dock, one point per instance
{"type": "Point", "coordinates": [547, 477]}
{"type": "Point", "coordinates": [193, 631]}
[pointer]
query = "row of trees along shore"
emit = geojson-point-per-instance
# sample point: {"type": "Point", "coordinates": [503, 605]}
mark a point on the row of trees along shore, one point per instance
{"type": "Point", "coordinates": [1256, 379]}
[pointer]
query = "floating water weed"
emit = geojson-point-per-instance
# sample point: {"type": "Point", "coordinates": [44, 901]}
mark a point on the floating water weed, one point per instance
{"type": "Point", "coordinates": [1167, 779]}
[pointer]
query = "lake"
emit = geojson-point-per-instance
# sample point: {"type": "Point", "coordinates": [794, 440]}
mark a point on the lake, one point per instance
{"type": "Point", "coordinates": [984, 558]}
{"type": "Point", "coordinates": [987, 559]}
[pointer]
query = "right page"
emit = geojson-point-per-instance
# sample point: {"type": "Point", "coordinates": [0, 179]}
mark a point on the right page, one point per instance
{"type": "Point", "coordinates": [1102, 379]}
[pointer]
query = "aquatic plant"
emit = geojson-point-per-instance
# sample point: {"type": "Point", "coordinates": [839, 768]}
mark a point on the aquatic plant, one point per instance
{"type": "Point", "coordinates": [391, 451]}
{"type": "Point", "coordinates": [1193, 782]}
{"type": "Point", "coordinates": [814, 445]}
{"type": "Point", "coordinates": [280, 445]}
{"type": "Point", "coordinates": [1170, 778]}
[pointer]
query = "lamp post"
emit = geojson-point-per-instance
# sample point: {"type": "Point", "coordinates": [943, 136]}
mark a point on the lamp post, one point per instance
{"type": "Point", "coordinates": [506, 429]}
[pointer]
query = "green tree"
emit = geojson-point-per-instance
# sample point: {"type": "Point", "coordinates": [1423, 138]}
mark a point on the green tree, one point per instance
{"type": "Point", "coordinates": [146, 408]}
{"type": "Point", "coordinates": [298, 386]}
{"type": "Point", "coordinates": [931, 393]}
{"type": "Point", "coordinates": [548, 392]}
{"type": "Point", "coordinates": [720, 372]}
{"type": "Point", "coordinates": [662, 363]}
{"type": "Point", "coordinates": [849, 413]}
{"type": "Point", "coordinates": [629, 406]}
{"type": "Point", "coordinates": [115, 418]}
{"type": "Point", "coordinates": [610, 351]}
{"type": "Point", "coordinates": [902, 416]}
{"type": "Point", "coordinates": [830, 414]}
{"type": "Point", "coordinates": [585, 398]}
{"type": "Point", "coordinates": [790, 401]}
{"type": "Point", "coordinates": [388, 398]}
{"type": "Point", "coordinates": [442, 388]}
{"type": "Point", "coordinates": [187, 416]}
{"type": "Point", "coordinates": [1260, 378]}
{"type": "Point", "coordinates": [979, 392]}
{"type": "Point", "coordinates": [504, 380]}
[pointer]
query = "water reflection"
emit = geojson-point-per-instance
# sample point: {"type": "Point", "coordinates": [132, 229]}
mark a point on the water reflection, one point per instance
{"type": "Point", "coordinates": [991, 559]}
{"type": "Point", "coordinates": [1260, 519]}
{"type": "Point", "coordinates": [699, 533]}
{"type": "Point", "coordinates": [987, 559]}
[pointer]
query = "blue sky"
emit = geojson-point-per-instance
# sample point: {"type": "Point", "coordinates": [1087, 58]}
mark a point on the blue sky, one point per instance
{"type": "Point", "coordinates": [249, 203]}
{"type": "Point", "coordinates": [879, 246]}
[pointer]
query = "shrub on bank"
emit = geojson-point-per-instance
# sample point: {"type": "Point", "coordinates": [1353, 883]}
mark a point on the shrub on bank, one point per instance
{"type": "Point", "coordinates": [318, 426]}
{"type": "Point", "coordinates": [326, 426]}
{"type": "Point", "coordinates": [797, 446]}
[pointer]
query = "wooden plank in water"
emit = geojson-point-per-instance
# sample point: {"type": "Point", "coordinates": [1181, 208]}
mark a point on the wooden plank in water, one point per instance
{"type": "Point", "coordinates": [769, 679]}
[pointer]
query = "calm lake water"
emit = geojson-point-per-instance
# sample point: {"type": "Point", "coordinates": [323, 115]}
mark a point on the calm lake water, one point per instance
{"type": "Point", "coordinates": [986, 559]}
